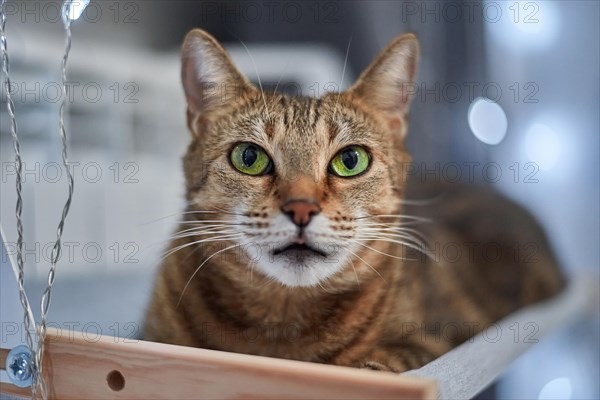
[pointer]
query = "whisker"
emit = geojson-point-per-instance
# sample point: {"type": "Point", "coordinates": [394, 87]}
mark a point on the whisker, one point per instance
{"type": "Point", "coordinates": [392, 228]}
{"type": "Point", "coordinates": [204, 228]}
{"type": "Point", "coordinates": [191, 234]}
{"type": "Point", "coordinates": [171, 251]}
{"type": "Point", "coordinates": [268, 281]}
{"type": "Point", "coordinates": [342, 79]}
{"type": "Point", "coordinates": [162, 218]}
{"type": "Point", "coordinates": [197, 242]}
{"type": "Point", "coordinates": [424, 251]}
{"type": "Point", "coordinates": [386, 225]}
{"type": "Point", "coordinates": [180, 235]}
{"type": "Point", "coordinates": [200, 221]}
{"type": "Point", "coordinates": [212, 209]}
{"type": "Point", "coordinates": [287, 64]}
{"type": "Point", "coordinates": [378, 251]}
{"type": "Point", "coordinates": [257, 76]}
{"type": "Point", "coordinates": [192, 252]}
{"type": "Point", "coordinates": [230, 212]}
{"type": "Point", "coordinates": [369, 265]}
{"type": "Point", "coordinates": [355, 273]}
{"type": "Point", "coordinates": [313, 273]}
{"type": "Point", "coordinates": [200, 231]}
{"type": "Point", "coordinates": [189, 212]}
{"type": "Point", "coordinates": [417, 239]}
{"type": "Point", "coordinates": [405, 216]}
{"type": "Point", "coordinates": [252, 273]}
{"type": "Point", "coordinates": [423, 202]}
{"type": "Point", "coordinates": [399, 224]}
{"type": "Point", "coordinates": [201, 265]}
{"type": "Point", "coordinates": [409, 240]}
{"type": "Point", "coordinates": [394, 225]}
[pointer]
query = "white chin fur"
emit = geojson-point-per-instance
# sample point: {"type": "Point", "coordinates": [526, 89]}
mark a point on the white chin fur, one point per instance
{"type": "Point", "coordinates": [307, 272]}
{"type": "Point", "coordinates": [300, 274]}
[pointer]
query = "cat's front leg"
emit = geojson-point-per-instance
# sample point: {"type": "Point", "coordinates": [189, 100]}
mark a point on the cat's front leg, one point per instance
{"type": "Point", "coordinates": [396, 358]}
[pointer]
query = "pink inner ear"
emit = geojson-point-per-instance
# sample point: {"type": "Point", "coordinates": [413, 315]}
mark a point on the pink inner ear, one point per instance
{"type": "Point", "coordinates": [209, 77]}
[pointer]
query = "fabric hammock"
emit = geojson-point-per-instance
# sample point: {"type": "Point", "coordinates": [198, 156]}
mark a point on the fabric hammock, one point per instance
{"type": "Point", "coordinates": [466, 370]}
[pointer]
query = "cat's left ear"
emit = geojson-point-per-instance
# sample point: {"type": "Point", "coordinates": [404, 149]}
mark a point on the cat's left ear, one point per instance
{"type": "Point", "coordinates": [388, 84]}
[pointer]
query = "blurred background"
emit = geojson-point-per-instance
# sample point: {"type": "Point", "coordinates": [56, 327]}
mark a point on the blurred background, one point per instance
{"type": "Point", "coordinates": [508, 96]}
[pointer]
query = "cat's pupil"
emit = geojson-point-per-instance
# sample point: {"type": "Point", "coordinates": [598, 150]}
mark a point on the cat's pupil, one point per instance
{"type": "Point", "coordinates": [350, 158]}
{"type": "Point", "coordinates": [249, 156]}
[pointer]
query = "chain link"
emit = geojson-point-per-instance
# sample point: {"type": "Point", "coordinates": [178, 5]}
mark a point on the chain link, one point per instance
{"type": "Point", "coordinates": [39, 388]}
{"type": "Point", "coordinates": [57, 248]}
{"type": "Point", "coordinates": [10, 106]}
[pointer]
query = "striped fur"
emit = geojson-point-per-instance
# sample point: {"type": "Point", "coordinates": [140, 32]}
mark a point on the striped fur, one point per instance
{"type": "Point", "coordinates": [372, 302]}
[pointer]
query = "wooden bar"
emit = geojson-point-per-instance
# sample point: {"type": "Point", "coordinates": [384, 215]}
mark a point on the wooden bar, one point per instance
{"type": "Point", "coordinates": [110, 368]}
{"type": "Point", "coordinates": [12, 390]}
{"type": "Point", "coordinates": [3, 355]}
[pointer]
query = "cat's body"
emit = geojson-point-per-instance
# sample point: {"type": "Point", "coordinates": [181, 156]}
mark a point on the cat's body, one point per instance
{"type": "Point", "coordinates": [356, 296]}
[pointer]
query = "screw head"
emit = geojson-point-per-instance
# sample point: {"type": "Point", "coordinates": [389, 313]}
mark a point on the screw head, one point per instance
{"type": "Point", "coordinates": [19, 366]}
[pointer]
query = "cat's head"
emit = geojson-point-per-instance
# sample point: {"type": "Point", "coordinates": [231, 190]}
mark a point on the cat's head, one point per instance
{"type": "Point", "coordinates": [296, 181]}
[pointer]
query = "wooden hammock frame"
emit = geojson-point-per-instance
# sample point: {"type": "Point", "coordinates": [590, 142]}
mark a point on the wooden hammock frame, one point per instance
{"type": "Point", "coordinates": [79, 367]}
{"type": "Point", "coordinates": [109, 368]}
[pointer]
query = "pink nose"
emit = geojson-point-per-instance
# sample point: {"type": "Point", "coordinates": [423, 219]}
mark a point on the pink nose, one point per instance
{"type": "Point", "coordinates": [301, 211]}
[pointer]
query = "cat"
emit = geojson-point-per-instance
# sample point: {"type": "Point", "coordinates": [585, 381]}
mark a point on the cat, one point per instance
{"type": "Point", "coordinates": [297, 242]}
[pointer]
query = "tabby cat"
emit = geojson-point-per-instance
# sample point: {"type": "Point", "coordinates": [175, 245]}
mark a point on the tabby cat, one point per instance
{"type": "Point", "coordinates": [297, 242]}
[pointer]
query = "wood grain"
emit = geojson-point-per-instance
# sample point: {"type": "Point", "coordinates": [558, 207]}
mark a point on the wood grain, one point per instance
{"type": "Point", "coordinates": [3, 355]}
{"type": "Point", "coordinates": [77, 367]}
{"type": "Point", "coordinates": [12, 390]}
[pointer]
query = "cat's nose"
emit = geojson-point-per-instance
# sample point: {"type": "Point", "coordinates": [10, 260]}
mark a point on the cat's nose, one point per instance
{"type": "Point", "coordinates": [301, 211]}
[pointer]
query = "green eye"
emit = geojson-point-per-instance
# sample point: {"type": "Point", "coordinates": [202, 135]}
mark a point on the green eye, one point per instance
{"type": "Point", "coordinates": [250, 159]}
{"type": "Point", "coordinates": [351, 161]}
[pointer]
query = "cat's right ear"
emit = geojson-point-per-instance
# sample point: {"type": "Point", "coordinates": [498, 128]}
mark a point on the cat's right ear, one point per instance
{"type": "Point", "coordinates": [387, 85]}
{"type": "Point", "coordinates": [210, 80]}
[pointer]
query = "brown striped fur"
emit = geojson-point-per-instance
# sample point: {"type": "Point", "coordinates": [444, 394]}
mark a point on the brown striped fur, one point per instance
{"type": "Point", "coordinates": [368, 308]}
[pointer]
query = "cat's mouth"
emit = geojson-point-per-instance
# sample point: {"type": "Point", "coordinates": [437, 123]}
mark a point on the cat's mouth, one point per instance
{"type": "Point", "coordinates": [298, 251]}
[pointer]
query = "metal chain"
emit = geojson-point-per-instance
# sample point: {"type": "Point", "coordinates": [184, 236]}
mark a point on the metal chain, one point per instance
{"type": "Point", "coordinates": [39, 387]}
{"type": "Point", "coordinates": [56, 249]}
{"type": "Point", "coordinates": [10, 106]}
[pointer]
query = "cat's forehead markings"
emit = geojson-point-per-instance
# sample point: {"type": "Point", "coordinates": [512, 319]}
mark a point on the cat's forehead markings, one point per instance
{"type": "Point", "coordinates": [341, 131]}
{"type": "Point", "coordinates": [333, 130]}
{"type": "Point", "coordinates": [283, 103]}
{"type": "Point", "coordinates": [301, 112]}
{"type": "Point", "coordinates": [255, 130]}
{"type": "Point", "coordinates": [310, 111]}
{"type": "Point", "coordinates": [316, 112]}
{"type": "Point", "coordinates": [269, 128]}
{"type": "Point", "coordinates": [352, 128]}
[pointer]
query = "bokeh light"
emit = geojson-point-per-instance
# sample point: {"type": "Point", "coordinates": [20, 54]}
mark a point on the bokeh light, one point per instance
{"type": "Point", "coordinates": [487, 121]}
{"type": "Point", "coordinates": [559, 388]}
{"type": "Point", "coordinates": [542, 146]}
{"type": "Point", "coordinates": [524, 25]}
